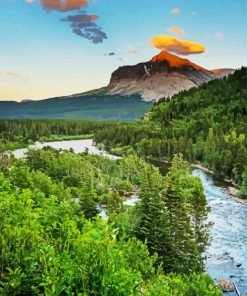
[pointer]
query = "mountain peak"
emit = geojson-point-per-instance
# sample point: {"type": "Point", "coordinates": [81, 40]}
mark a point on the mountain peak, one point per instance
{"type": "Point", "coordinates": [174, 61]}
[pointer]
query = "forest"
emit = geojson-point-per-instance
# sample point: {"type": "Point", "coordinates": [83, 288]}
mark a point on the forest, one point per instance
{"type": "Point", "coordinates": [53, 242]}
{"type": "Point", "coordinates": [207, 124]}
{"type": "Point", "coordinates": [21, 133]}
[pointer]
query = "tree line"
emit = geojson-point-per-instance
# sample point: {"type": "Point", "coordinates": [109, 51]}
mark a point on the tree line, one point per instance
{"type": "Point", "coordinates": [20, 133]}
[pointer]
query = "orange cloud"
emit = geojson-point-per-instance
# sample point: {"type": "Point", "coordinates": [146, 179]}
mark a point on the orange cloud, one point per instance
{"type": "Point", "coordinates": [172, 44]}
{"type": "Point", "coordinates": [63, 5]}
{"type": "Point", "coordinates": [176, 30]}
{"type": "Point", "coordinates": [175, 10]}
{"type": "Point", "coordinates": [134, 51]}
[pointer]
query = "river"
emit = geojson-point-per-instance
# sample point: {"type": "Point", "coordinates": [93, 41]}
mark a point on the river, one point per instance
{"type": "Point", "coordinates": [78, 146]}
{"type": "Point", "coordinates": [227, 253]}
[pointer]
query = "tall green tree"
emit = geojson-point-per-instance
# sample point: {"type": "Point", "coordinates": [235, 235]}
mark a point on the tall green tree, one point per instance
{"type": "Point", "coordinates": [154, 225]}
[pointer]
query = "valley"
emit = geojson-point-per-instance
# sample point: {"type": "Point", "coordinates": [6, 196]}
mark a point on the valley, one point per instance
{"type": "Point", "coordinates": [123, 148]}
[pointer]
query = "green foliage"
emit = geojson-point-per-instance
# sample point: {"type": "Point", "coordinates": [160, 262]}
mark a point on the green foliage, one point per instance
{"type": "Point", "coordinates": [53, 243]}
{"type": "Point", "coordinates": [172, 218]}
{"type": "Point", "coordinates": [49, 248]}
{"type": "Point", "coordinates": [243, 187]}
{"type": "Point", "coordinates": [20, 133]}
{"type": "Point", "coordinates": [154, 226]}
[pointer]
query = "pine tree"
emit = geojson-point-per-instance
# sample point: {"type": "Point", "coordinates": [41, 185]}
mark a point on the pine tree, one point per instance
{"type": "Point", "coordinates": [154, 224]}
{"type": "Point", "coordinates": [186, 204]}
{"type": "Point", "coordinates": [88, 199]}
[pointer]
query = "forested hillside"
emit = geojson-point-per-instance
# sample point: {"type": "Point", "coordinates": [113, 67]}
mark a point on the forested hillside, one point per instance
{"type": "Point", "coordinates": [82, 106]}
{"type": "Point", "coordinates": [53, 243]}
{"type": "Point", "coordinates": [206, 124]}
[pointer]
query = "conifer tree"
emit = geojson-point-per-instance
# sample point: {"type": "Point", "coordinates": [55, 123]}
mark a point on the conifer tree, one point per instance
{"type": "Point", "coordinates": [154, 225]}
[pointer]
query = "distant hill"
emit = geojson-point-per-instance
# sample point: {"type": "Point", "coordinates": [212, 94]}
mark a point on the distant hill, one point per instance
{"type": "Point", "coordinates": [223, 72]}
{"type": "Point", "coordinates": [88, 107]}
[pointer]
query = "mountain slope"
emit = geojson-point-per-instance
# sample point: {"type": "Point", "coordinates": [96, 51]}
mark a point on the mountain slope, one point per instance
{"type": "Point", "coordinates": [81, 106]}
{"type": "Point", "coordinates": [163, 76]}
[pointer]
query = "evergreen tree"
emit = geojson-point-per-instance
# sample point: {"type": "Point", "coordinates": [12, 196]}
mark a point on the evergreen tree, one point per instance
{"type": "Point", "coordinates": [154, 224]}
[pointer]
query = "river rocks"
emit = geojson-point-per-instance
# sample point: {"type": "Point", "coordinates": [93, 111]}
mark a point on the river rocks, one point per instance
{"type": "Point", "coordinates": [201, 167]}
{"type": "Point", "coordinates": [232, 191]}
{"type": "Point", "coordinates": [238, 265]}
{"type": "Point", "coordinates": [226, 285]}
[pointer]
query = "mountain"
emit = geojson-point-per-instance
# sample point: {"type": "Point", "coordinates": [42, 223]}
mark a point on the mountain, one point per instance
{"type": "Point", "coordinates": [130, 93]}
{"type": "Point", "coordinates": [163, 76]}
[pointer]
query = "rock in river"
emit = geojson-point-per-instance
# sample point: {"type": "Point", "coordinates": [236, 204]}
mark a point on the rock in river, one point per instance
{"type": "Point", "coordinates": [226, 285]}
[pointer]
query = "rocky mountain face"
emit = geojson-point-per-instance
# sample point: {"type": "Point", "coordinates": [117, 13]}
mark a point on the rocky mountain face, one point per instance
{"type": "Point", "coordinates": [163, 76]}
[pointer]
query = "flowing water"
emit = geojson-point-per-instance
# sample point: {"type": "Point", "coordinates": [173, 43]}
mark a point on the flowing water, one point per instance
{"type": "Point", "coordinates": [227, 253]}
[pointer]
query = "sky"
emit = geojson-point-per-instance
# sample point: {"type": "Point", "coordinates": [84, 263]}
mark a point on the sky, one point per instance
{"type": "Point", "coordinates": [52, 48]}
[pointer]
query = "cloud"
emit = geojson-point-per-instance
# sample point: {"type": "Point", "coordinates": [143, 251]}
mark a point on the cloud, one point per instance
{"type": "Point", "coordinates": [13, 74]}
{"type": "Point", "coordinates": [219, 35]}
{"type": "Point", "coordinates": [110, 54]}
{"type": "Point", "coordinates": [175, 10]}
{"type": "Point", "coordinates": [83, 25]}
{"type": "Point", "coordinates": [172, 44]}
{"type": "Point", "coordinates": [8, 74]}
{"type": "Point", "coordinates": [63, 5]}
{"type": "Point", "coordinates": [134, 51]}
{"type": "Point", "coordinates": [176, 30]}
{"type": "Point", "coordinates": [194, 13]}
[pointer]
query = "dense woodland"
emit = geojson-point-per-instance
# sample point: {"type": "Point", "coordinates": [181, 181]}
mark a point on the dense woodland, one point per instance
{"type": "Point", "coordinates": [92, 106]}
{"type": "Point", "coordinates": [52, 239]}
{"type": "Point", "coordinates": [53, 243]}
{"type": "Point", "coordinates": [21, 133]}
{"type": "Point", "coordinates": [207, 124]}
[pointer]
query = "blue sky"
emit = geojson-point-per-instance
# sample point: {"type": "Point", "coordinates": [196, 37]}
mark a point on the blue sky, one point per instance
{"type": "Point", "coordinates": [42, 57]}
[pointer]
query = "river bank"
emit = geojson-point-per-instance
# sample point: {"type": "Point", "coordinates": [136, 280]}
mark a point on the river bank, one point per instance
{"type": "Point", "coordinates": [12, 146]}
{"type": "Point", "coordinates": [201, 167]}
{"type": "Point", "coordinates": [231, 190]}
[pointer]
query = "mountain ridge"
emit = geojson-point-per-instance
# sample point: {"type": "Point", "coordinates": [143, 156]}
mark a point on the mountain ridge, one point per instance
{"type": "Point", "coordinates": [163, 76]}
